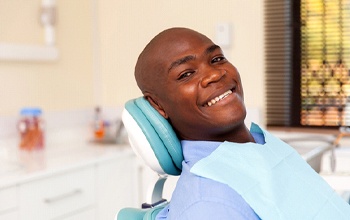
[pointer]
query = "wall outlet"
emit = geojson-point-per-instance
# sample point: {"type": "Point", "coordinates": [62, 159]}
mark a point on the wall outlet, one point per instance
{"type": "Point", "coordinates": [223, 34]}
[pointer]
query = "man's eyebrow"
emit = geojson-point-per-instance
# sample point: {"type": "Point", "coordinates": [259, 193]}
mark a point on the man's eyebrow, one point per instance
{"type": "Point", "coordinates": [181, 61]}
{"type": "Point", "coordinates": [212, 48]}
{"type": "Point", "coordinates": [191, 57]}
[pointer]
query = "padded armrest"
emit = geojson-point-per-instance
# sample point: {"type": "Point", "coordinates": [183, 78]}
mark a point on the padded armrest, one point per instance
{"type": "Point", "coordinates": [131, 214]}
{"type": "Point", "coordinates": [140, 214]}
{"type": "Point", "coordinates": [152, 213]}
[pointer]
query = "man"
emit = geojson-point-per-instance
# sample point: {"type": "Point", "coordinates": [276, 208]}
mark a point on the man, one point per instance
{"type": "Point", "coordinates": [180, 67]}
{"type": "Point", "coordinates": [188, 80]}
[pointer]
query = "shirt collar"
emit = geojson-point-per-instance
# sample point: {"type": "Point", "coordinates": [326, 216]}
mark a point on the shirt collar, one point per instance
{"type": "Point", "coordinates": [193, 151]}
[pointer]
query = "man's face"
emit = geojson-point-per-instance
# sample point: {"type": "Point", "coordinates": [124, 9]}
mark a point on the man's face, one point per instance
{"type": "Point", "coordinates": [202, 94]}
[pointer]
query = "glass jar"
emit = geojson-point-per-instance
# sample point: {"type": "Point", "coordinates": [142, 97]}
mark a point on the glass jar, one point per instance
{"type": "Point", "coordinates": [99, 125]}
{"type": "Point", "coordinates": [31, 129]}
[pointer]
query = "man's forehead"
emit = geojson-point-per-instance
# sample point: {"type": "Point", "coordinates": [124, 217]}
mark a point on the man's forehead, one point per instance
{"type": "Point", "coordinates": [175, 36]}
{"type": "Point", "coordinates": [171, 46]}
{"type": "Point", "coordinates": [168, 47]}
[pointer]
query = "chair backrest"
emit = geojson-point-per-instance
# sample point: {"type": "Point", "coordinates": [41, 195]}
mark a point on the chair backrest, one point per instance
{"type": "Point", "coordinates": [154, 140]}
{"type": "Point", "coordinates": [152, 137]}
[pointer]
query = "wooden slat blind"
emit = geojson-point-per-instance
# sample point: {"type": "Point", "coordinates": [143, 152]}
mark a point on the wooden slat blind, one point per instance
{"type": "Point", "coordinates": [278, 61]}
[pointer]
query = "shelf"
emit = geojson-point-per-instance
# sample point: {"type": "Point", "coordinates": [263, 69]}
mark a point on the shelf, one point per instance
{"type": "Point", "coordinates": [17, 52]}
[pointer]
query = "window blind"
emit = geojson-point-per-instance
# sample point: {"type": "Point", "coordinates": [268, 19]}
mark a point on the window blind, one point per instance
{"type": "Point", "coordinates": [278, 61]}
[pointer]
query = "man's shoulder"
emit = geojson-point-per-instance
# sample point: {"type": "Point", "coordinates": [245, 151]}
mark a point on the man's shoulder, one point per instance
{"type": "Point", "coordinates": [196, 197]}
{"type": "Point", "coordinates": [192, 189]}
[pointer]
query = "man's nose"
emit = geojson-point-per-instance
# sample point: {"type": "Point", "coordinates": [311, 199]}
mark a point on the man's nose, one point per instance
{"type": "Point", "coordinates": [212, 76]}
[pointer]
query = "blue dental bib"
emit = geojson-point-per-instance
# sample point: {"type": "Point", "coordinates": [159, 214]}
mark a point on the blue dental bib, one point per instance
{"type": "Point", "coordinates": [273, 179]}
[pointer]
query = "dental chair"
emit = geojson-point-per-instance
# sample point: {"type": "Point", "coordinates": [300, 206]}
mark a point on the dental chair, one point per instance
{"type": "Point", "coordinates": [154, 140]}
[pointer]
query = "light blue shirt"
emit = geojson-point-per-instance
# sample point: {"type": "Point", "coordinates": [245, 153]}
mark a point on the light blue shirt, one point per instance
{"type": "Point", "coordinates": [196, 197]}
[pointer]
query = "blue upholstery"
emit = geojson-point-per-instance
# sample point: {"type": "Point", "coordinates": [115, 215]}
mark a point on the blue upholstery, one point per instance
{"type": "Point", "coordinates": [131, 213]}
{"type": "Point", "coordinates": [159, 133]}
{"type": "Point", "coordinates": [140, 214]}
{"type": "Point", "coordinates": [152, 213]}
{"type": "Point", "coordinates": [163, 143]}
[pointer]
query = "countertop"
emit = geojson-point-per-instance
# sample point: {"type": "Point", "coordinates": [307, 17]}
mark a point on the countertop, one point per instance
{"type": "Point", "coordinates": [65, 150]}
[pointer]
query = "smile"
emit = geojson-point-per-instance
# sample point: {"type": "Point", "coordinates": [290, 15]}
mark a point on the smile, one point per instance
{"type": "Point", "coordinates": [218, 98]}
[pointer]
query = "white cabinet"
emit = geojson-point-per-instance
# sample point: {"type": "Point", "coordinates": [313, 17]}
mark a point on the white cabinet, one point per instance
{"type": "Point", "coordinates": [59, 196]}
{"type": "Point", "coordinates": [91, 183]}
{"type": "Point", "coordinates": [9, 216]}
{"type": "Point", "coordinates": [116, 186]}
{"type": "Point", "coordinates": [84, 215]}
{"type": "Point", "coordinates": [8, 203]}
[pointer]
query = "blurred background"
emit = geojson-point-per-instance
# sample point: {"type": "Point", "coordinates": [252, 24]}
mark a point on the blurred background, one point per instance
{"type": "Point", "coordinates": [98, 42]}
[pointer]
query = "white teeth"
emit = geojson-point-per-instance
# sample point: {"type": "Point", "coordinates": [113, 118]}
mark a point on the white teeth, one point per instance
{"type": "Point", "coordinates": [220, 97]}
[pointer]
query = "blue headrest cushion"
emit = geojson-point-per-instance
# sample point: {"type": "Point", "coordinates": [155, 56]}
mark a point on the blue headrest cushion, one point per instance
{"type": "Point", "coordinates": [159, 133]}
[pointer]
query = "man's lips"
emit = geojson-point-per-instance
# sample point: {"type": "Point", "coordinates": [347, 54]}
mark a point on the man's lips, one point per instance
{"type": "Point", "coordinates": [219, 98]}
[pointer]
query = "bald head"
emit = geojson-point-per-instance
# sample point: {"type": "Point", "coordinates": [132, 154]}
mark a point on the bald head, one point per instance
{"type": "Point", "coordinates": [150, 68]}
{"type": "Point", "coordinates": [188, 80]}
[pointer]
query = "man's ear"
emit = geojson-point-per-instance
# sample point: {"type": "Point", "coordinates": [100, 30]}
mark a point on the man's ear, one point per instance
{"type": "Point", "coordinates": [157, 106]}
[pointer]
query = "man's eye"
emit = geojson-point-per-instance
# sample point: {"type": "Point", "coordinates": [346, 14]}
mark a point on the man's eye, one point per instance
{"type": "Point", "coordinates": [186, 74]}
{"type": "Point", "coordinates": [218, 59]}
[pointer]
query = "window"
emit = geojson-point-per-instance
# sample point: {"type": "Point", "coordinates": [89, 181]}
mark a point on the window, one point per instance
{"type": "Point", "coordinates": [307, 62]}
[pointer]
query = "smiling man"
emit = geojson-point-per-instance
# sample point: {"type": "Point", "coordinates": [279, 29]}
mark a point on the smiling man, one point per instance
{"type": "Point", "coordinates": [186, 77]}
{"type": "Point", "coordinates": [188, 80]}
{"type": "Point", "coordinates": [229, 171]}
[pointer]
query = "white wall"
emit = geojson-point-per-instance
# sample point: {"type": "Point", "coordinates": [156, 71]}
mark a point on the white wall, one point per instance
{"type": "Point", "coordinates": [62, 84]}
{"type": "Point", "coordinates": [99, 42]}
{"type": "Point", "coordinates": [127, 26]}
